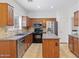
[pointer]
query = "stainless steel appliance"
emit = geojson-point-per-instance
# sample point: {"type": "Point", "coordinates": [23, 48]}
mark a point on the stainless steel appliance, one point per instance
{"type": "Point", "coordinates": [20, 47]}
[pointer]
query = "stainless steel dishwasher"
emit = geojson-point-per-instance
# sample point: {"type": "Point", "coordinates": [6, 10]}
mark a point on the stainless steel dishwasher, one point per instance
{"type": "Point", "coordinates": [20, 48]}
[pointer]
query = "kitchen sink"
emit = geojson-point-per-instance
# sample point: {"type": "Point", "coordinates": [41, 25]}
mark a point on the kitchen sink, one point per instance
{"type": "Point", "coordinates": [20, 34]}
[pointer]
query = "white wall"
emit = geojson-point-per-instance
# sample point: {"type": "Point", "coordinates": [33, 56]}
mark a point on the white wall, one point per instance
{"type": "Point", "coordinates": [64, 25]}
{"type": "Point", "coordinates": [64, 17]}
{"type": "Point", "coordinates": [39, 14]}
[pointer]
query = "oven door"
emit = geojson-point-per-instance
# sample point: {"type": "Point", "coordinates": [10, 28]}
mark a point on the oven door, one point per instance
{"type": "Point", "coordinates": [37, 38]}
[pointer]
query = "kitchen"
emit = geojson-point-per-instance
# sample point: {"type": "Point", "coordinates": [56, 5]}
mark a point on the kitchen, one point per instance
{"type": "Point", "coordinates": [28, 25]}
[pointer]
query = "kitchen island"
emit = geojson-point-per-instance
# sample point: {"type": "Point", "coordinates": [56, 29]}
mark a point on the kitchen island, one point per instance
{"type": "Point", "coordinates": [15, 46]}
{"type": "Point", "coordinates": [50, 45]}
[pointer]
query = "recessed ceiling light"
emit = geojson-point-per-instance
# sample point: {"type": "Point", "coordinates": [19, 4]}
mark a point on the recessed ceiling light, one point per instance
{"type": "Point", "coordinates": [38, 6]}
{"type": "Point", "coordinates": [51, 6]}
{"type": "Point", "coordinates": [30, 0]}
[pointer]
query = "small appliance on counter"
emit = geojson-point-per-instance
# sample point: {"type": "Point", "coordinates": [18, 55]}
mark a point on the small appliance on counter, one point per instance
{"type": "Point", "coordinates": [74, 32]}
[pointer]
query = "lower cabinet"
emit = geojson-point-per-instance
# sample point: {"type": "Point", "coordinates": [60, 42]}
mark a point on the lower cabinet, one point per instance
{"type": "Point", "coordinates": [28, 41]}
{"type": "Point", "coordinates": [14, 48]}
{"type": "Point", "coordinates": [74, 45]}
{"type": "Point", "coordinates": [71, 44]}
{"type": "Point", "coordinates": [78, 48]}
{"type": "Point", "coordinates": [7, 49]}
{"type": "Point", "coordinates": [50, 48]}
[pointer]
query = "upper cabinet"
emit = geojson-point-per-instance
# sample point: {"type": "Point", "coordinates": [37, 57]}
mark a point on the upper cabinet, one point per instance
{"type": "Point", "coordinates": [6, 14]}
{"type": "Point", "coordinates": [26, 22]}
{"type": "Point", "coordinates": [76, 18]}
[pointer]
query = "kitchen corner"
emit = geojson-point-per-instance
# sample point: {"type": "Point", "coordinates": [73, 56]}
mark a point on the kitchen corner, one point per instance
{"type": "Point", "coordinates": [15, 43]}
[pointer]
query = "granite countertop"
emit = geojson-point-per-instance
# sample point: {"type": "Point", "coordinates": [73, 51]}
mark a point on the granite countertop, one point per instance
{"type": "Point", "coordinates": [16, 37]}
{"type": "Point", "coordinates": [74, 35]}
{"type": "Point", "coordinates": [50, 36]}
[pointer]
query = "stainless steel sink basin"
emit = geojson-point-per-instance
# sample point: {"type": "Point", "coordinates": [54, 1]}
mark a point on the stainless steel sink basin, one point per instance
{"type": "Point", "coordinates": [19, 34]}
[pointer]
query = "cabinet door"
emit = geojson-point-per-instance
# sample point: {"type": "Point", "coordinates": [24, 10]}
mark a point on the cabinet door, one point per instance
{"type": "Point", "coordinates": [7, 49]}
{"type": "Point", "coordinates": [26, 42]}
{"type": "Point", "coordinates": [71, 43]}
{"type": "Point", "coordinates": [76, 18]}
{"type": "Point", "coordinates": [29, 22]}
{"type": "Point", "coordinates": [50, 48]}
{"type": "Point", "coordinates": [10, 20]}
{"type": "Point", "coordinates": [13, 49]}
{"type": "Point", "coordinates": [56, 51]}
{"type": "Point", "coordinates": [76, 46]}
{"type": "Point", "coordinates": [3, 15]}
{"type": "Point", "coordinates": [30, 39]}
{"type": "Point", "coordinates": [4, 49]}
{"type": "Point", "coordinates": [24, 21]}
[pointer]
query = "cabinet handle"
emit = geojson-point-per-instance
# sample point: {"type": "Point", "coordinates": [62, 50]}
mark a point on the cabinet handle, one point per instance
{"type": "Point", "coordinates": [57, 44]}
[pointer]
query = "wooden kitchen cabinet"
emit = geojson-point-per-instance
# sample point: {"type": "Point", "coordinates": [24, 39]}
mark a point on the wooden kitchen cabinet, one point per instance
{"type": "Point", "coordinates": [29, 22]}
{"type": "Point", "coordinates": [7, 49]}
{"type": "Point", "coordinates": [71, 43]}
{"type": "Point", "coordinates": [76, 18]}
{"type": "Point", "coordinates": [24, 21]}
{"type": "Point", "coordinates": [50, 48]}
{"type": "Point", "coordinates": [74, 45]}
{"type": "Point", "coordinates": [14, 48]}
{"type": "Point", "coordinates": [6, 14]}
{"type": "Point", "coordinates": [28, 41]}
{"type": "Point", "coordinates": [29, 38]}
{"type": "Point", "coordinates": [40, 20]}
{"type": "Point", "coordinates": [78, 48]}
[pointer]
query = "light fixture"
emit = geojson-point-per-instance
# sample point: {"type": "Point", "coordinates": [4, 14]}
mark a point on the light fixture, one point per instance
{"type": "Point", "coordinates": [51, 7]}
{"type": "Point", "coordinates": [30, 0]}
{"type": "Point", "coordinates": [38, 6]}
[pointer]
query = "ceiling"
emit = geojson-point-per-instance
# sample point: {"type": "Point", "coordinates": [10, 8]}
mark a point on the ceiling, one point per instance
{"type": "Point", "coordinates": [46, 5]}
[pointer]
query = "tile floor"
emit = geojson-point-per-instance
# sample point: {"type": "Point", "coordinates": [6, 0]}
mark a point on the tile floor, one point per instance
{"type": "Point", "coordinates": [35, 51]}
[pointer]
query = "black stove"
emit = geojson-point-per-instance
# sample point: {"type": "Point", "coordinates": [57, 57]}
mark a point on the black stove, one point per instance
{"type": "Point", "coordinates": [37, 35]}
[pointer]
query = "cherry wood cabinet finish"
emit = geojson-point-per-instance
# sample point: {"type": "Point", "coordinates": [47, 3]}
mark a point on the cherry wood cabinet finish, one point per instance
{"type": "Point", "coordinates": [71, 43]}
{"type": "Point", "coordinates": [76, 18]}
{"type": "Point", "coordinates": [7, 49]}
{"type": "Point", "coordinates": [6, 14]}
{"type": "Point", "coordinates": [78, 48]}
{"type": "Point", "coordinates": [50, 48]}
{"type": "Point", "coordinates": [74, 45]}
{"type": "Point", "coordinates": [39, 20]}
{"type": "Point", "coordinates": [28, 41]}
